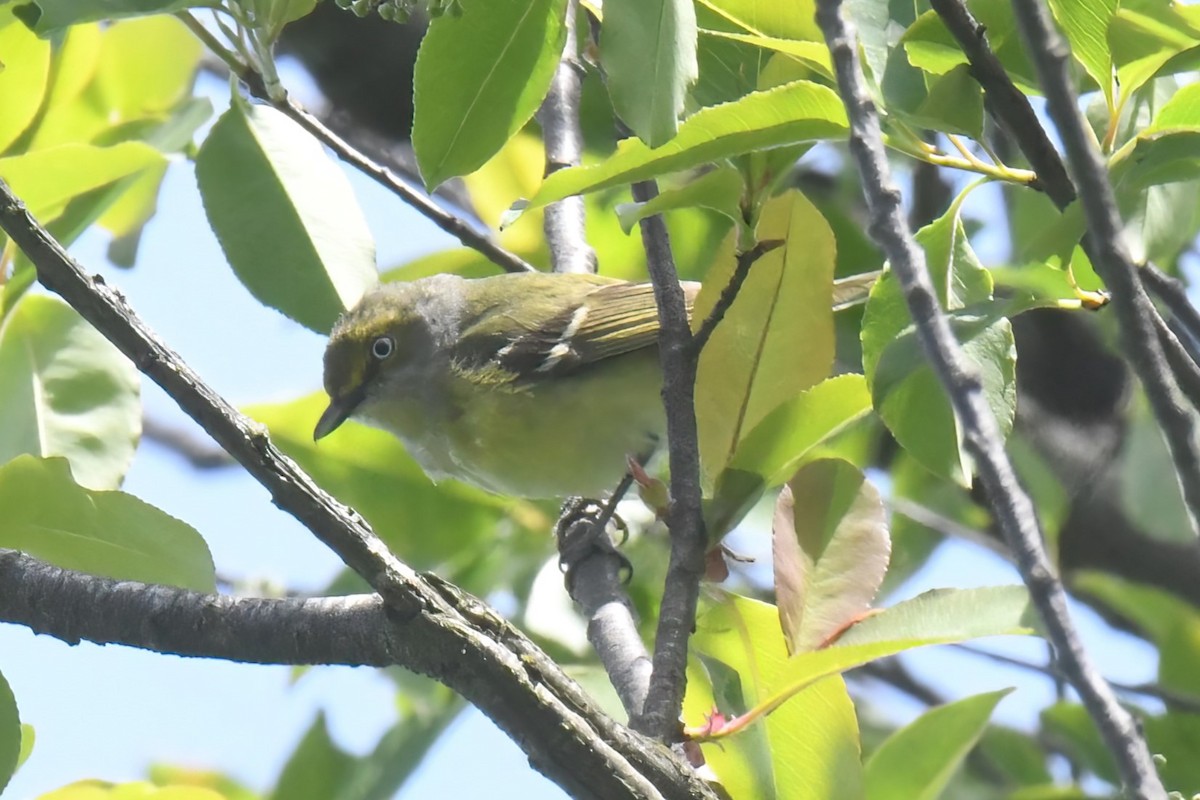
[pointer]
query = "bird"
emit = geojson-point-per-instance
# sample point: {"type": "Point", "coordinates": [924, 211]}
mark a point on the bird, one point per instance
{"type": "Point", "coordinates": [537, 385]}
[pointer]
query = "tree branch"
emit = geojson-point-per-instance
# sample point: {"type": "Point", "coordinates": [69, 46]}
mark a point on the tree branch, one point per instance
{"type": "Point", "coordinates": [199, 454]}
{"type": "Point", "coordinates": [741, 271]}
{"type": "Point", "coordinates": [1011, 506]}
{"type": "Point", "coordinates": [689, 542]}
{"type": "Point", "coordinates": [448, 222]}
{"type": "Point", "coordinates": [73, 607]}
{"type": "Point", "coordinates": [1006, 103]}
{"type": "Point", "coordinates": [1180, 361]}
{"type": "Point", "coordinates": [447, 634]}
{"type": "Point", "coordinates": [564, 221]}
{"type": "Point", "coordinates": [1173, 294]}
{"type": "Point", "coordinates": [1176, 700]}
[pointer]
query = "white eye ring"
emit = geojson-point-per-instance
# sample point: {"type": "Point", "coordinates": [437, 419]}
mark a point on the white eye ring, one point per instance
{"type": "Point", "coordinates": [383, 347]}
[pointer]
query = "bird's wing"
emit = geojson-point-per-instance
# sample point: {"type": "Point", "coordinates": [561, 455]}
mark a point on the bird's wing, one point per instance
{"type": "Point", "coordinates": [599, 321]}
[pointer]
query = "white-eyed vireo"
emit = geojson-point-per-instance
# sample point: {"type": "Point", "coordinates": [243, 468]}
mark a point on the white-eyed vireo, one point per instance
{"type": "Point", "coordinates": [531, 384]}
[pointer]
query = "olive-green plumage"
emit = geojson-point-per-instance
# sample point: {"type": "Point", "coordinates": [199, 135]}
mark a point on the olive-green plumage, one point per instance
{"type": "Point", "coordinates": [538, 385]}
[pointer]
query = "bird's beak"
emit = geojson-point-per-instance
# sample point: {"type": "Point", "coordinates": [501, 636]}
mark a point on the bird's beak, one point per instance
{"type": "Point", "coordinates": [338, 412]}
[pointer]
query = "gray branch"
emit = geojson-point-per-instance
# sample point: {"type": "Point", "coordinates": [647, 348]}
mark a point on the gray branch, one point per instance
{"type": "Point", "coordinates": [564, 221]}
{"type": "Point", "coordinates": [689, 542]}
{"type": "Point", "coordinates": [1011, 506]}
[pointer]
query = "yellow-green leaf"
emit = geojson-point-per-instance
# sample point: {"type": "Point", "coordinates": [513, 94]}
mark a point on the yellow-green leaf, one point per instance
{"type": "Point", "coordinates": [66, 391]}
{"type": "Point", "coordinates": [480, 75]}
{"type": "Point", "coordinates": [112, 534]}
{"type": "Point", "coordinates": [776, 340]}
{"type": "Point", "coordinates": [788, 114]}
{"type": "Point", "coordinates": [23, 79]}
{"type": "Point", "coordinates": [648, 51]}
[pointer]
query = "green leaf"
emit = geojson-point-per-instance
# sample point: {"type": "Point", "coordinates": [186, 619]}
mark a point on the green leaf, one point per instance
{"type": "Point", "coordinates": [177, 777]}
{"type": "Point", "coordinates": [936, 617]}
{"type": "Point", "coordinates": [779, 444]}
{"type": "Point", "coordinates": [917, 761]}
{"type": "Point", "coordinates": [911, 400]}
{"type": "Point", "coordinates": [23, 277]}
{"type": "Point", "coordinates": [316, 769]}
{"type": "Point", "coordinates": [112, 534]}
{"type": "Point", "coordinates": [1143, 41]}
{"type": "Point", "coordinates": [944, 615]}
{"type": "Point", "coordinates": [23, 79]}
{"type": "Point", "coordinates": [741, 763]}
{"type": "Point", "coordinates": [146, 67]}
{"type": "Point", "coordinates": [813, 55]}
{"type": "Point", "coordinates": [1172, 623]}
{"type": "Point", "coordinates": [1176, 738]}
{"type": "Point", "coordinates": [138, 194]}
{"type": "Point", "coordinates": [719, 190]}
{"type": "Point", "coordinates": [51, 16]}
{"type": "Point", "coordinates": [953, 104]}
{"type": "Point", "coordinates": [10, 734]}
{"type": "Point", "coordinates": [1075, 732]}
{"type": "Point", "coordinates": [66, 391]}
{"type": "Point", "coordinates": [1182, 111]}
{"type": "Point", "coordinates": [285, 215]}
{"type": "Point", "coordinates": [139, 790]}
{"type": "Point", "coordinates": [817, 727]}
{"type": "Point", "coordinates": [1085, 23]}
{"type": "Point", "coordinates": [940, 94]}
{"type": "Point", "coordinates": [941, 616]}
{"type": "Point", "coordinates": [65, 117]}
{"type": "Point", "coordinates": [402, 748]}
{"type": "Point", "coordinates": [795, 112]}
{"type": "Point", "coordinates": [776, 340]}
{"type": "Point", "coordinates": [931, 47]}
{"type": "Point", "coordinates": [1018, 754]}
{"type": "Point", "coordinates": [830, 544]}
{"type": "Point", "coordinates": [47, 179]}
{"type": "Point", "coordinates": [27, 740]}
{"type": "Point", "coordinates": [648, 51]}
{"type": "Point", "coordinates": [768, 18]}
{"type": "Point", "coordinates": [479, 77]}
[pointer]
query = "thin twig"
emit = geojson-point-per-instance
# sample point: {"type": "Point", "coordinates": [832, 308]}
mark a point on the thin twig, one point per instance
{"type": "Point", "coordinates": [454, 637]}
{"type": "Point", "coordinates": [1006, 103]}
{"type": "Point", "coordinates": [741, 271]}
{"type": "Point", "coordinates": [1011, 506]}
{"type": "Point", "coordinates": [1176, 700]}
{"type": "Point", "coordinates": [199, 454]}
{"type": "Point", "coordinates": [564, 221]}
{"type": "Point", "coordinates": [924, 515]}
{"type": "Point", "coordinates": [1173, 293]}
{"type": "Point", "coordinates": [448, 222]}
{"type": "Point", "coordinates": [689, 543]}
{"type": "Point", "coordinates": [1180, 361]}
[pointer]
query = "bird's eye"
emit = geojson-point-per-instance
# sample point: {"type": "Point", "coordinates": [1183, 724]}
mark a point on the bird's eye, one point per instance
{"type": "Point", "coordinates": [383, 347]}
